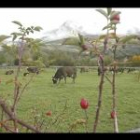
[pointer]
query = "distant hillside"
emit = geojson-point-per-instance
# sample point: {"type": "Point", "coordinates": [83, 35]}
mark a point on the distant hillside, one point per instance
{"type": "Point", "coordinates": [58, 45]}
{"type": "Point", "coordinates": [128, 51]}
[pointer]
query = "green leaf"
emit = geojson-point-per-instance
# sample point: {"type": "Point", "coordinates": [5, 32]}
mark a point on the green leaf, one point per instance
{"type": "Point", "coordinates": [81, 38]}
{"type": "Point", "coordinates": [102, 12]}
{"type": "Point", "coordinates": [108, 26]}
{"type": "Point", "coordinates": [32, 27]}
{"type": "Point", "coordinates": [14, 37]}
{"type": "Point", "coordinates": [113, 13]}
{"type": "Point", "coordinates": [18, 34]}
{"type": "Point", "coordinates": [38, 28]}
{"type": "Point", "coordinates": [32, 31]}
{"type": "Point", "coordinates": [3, 37]}
{"type": "Point", "coordinates": [20, 27]}
{"type": "Point", "coordinates": [27, 32]}
{"type": "Point", "coordinates": [28, 29]}
{"type": "Point", "coordinates": [17, 22]}
{"type": "Point", "coordinates": [109, 11]}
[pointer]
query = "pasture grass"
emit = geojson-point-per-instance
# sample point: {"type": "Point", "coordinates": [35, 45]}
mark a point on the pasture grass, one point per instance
{"type": "Point", "coordinates": [64, 101]}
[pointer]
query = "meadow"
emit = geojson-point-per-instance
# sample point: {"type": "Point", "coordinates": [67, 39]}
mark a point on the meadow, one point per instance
{"type": "Point", "coordinates": [63, 100]}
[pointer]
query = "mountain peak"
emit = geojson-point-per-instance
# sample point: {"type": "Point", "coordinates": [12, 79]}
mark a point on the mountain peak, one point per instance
{"type": "Point", "coordinates": [67, 29]}
{"type": "Point", "coordinates": [70, 25]}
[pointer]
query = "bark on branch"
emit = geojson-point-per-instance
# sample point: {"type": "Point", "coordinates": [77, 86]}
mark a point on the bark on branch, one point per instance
{"type": "Point", "coordinates": [12, 117]}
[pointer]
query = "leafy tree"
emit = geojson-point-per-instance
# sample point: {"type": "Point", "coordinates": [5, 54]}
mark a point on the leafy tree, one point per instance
{"type": "Point", "coordinates": [19, 46]}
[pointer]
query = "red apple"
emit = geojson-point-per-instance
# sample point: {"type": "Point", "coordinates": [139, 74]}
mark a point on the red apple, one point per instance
{"type": "Point", "coordinates": [112, 114]}
{"type": "Point", "coordinates": [49, 113]}
{"type": "Point", "coordinates": [84, 47]}
{"type": "Point", "coordinates": [116, 17]}
{"type": "Point", "coordinates": [84, 103]}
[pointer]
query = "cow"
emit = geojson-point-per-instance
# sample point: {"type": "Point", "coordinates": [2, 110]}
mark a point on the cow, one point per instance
{"type": "Point", "coordinates": [9, 72]}
{"type": "Point", "coordinates": [130, 70]}
{"type": "Point", "coordinates": [84, 69]}
{"type": "Point", "coordinates": [100, 71]}
{"type": "Point", "coordinates": [64, 72]}
{"type": "Point", "coordinates": [33, 70]}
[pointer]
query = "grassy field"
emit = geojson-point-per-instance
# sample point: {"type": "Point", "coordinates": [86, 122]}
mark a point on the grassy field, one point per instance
{"type": "Point", "coordinates": [64, 101]}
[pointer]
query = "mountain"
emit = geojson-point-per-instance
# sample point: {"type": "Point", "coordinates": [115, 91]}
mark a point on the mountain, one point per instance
{"type": "Point", "coordinates": [67, 29]}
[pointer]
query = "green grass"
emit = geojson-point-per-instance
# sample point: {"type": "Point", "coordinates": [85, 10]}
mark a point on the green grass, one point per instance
{"type": "Point", "coordinates": [42, 95]}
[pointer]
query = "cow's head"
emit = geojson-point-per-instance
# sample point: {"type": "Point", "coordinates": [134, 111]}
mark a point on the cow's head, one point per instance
{"type": "Point", "coordinates": [54, 80]}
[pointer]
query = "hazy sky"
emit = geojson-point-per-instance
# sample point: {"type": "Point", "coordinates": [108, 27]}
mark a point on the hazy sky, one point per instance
{"type": "Point", "coordinates": [52, 18]}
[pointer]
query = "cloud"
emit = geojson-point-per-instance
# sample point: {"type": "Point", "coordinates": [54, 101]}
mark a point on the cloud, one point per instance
{"type": "Point", "coordinates": [52, 18]}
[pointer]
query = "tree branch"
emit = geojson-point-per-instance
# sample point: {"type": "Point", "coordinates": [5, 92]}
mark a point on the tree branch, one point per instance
{"type": "Point", "coordinates": [108, 80]}
{"type": "Point", "coordinates": [10, 114]}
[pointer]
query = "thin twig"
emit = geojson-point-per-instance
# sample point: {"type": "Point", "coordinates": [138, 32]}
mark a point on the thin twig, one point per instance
{"type": "Point", "coordinates": [86, 121]}
{"type": "Point", "coordinates": [25, 87]}
{"type": "Point", "coordinates": [108, 79]}
{"type": "Point", "coordinates": [8, 129]}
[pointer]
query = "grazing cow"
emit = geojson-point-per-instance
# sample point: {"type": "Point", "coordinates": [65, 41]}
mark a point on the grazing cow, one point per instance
{"type": "Point", "coordinates": [130, 70]}
{"type": "Point", "coordinates": [63, 72]}
{"type": "Point", "coordinates": [84, 69]}
{"type": "Point", "coordinates": [33, 70]}
{"type": "Point", "coordinates": [100, 71]}
{"type": "Point", "coordinates": [9, 72]}
{"type": "Point", "coordinates": [118, 69]}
